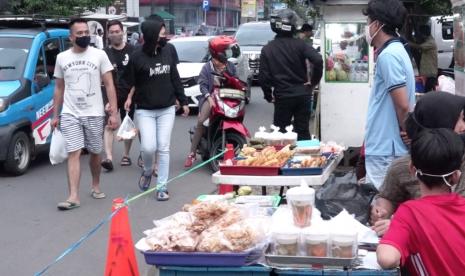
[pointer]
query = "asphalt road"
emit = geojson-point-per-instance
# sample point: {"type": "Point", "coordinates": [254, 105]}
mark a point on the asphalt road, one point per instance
{"type": "Point", "coordinates": [33, 232]}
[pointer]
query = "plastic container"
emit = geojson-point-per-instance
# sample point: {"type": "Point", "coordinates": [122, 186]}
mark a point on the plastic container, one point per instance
{"type": "Point", "coordinates": [301, 200]}
{"type": "Point", "coordinates": [275, 138]}
{"type": "Point", "coordinates": [261, 135]}
{"type": "Point", "coordinates": [308, 146]}
{"type": "Point", "coordinates": [343, 245]}
{"type": "Point", "coordinates": [316, 242]}
{"type": "Point", "coordinates": [286, 243]}
{"type": "Point", "coordinates": [290, 137]}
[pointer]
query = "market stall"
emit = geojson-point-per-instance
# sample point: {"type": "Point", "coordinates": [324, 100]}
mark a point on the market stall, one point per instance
{"type": "Point", "coordinates": [251, 235]}
{"type": "Point", "coordinates": [349, 67]}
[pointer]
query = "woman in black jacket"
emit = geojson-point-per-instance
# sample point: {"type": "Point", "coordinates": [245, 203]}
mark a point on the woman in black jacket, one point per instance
{"type": "Point", "coordinates": [156, 86]}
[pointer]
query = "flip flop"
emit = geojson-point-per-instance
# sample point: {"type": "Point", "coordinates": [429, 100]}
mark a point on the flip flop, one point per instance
{"type": "Point", "coordinates": [126, 161]}
{"type": "Point", "coordinates": [107, 165]}
{"type": "Point", "coordinates": [96, 195]}
{"type": "Point", "coordinates": [144, 182]}
{"type": "Point", "coordinates": [67, 205]}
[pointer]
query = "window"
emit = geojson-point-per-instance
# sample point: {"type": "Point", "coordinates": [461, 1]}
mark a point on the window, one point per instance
{"type": "Point", "coordinates": [66, 44]}
{"type": "Point", "coordinates": [13, 55]}
{"type": "Point", "coordinates": [51, 49]}
{"type": "Point", "coordinates": [346, 52]}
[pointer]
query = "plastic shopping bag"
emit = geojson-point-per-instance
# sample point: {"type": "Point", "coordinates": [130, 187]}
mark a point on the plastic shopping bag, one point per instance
{"type": "Point", "coordinates": [127, 130]}
{"type": "Point", "coordinates": [58, 153]}
{"type": "Point", "coordinates": [342, 192]}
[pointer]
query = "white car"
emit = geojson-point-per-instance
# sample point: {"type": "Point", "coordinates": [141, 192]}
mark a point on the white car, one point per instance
{"type": "Point", "coordinates": [193, 54]}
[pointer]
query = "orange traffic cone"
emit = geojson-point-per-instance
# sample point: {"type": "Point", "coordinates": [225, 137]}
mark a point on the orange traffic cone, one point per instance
{"type": "Point", "coordinates": [121, 260]}
{"type": "Point", "coordinates": [229, 154]}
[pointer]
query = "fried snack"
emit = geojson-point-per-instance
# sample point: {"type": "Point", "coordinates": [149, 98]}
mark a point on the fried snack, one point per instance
{"type": "Point", "coordinates": [240, 237]}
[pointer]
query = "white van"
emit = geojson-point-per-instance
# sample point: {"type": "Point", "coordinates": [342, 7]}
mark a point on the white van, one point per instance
{"type": "Point", "coordinates": [443, 33]}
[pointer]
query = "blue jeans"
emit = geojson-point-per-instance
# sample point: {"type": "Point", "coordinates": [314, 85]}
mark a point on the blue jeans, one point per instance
{"type": "Point", "coordinates": [155, 128]}
{"type": "Point", "coordinates": [376, 168]}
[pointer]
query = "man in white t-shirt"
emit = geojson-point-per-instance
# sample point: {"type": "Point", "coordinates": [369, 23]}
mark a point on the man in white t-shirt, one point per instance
{"type": "Point", "coordinates": [79, 73]}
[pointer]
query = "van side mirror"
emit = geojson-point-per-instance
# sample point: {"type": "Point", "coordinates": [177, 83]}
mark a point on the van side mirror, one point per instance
{"type": "Point", "coordinates": [41, 80]}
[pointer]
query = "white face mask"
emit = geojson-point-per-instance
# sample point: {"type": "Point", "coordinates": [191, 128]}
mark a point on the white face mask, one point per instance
{"type": "Point", "coordinates": [444, 176]}
{"type": "Point", "coordinates": [368, 36]}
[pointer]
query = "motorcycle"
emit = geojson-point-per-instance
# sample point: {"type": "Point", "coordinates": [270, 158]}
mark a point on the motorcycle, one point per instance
{"type": "Point", "coordinates": [225, 123]}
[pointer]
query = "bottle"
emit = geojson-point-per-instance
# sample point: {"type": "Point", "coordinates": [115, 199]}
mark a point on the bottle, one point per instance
{"type": "Point", "coordinates": [352, 71]}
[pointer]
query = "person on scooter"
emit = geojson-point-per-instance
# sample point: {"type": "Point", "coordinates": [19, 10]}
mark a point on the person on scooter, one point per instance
{"type": "Point", "coordinates": [221, 48]}
{"type": "Point", "coordinates": [283, 74]}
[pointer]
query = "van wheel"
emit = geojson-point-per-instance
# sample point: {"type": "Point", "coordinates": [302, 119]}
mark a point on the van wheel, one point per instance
{"type": "Point", "coordinates": [19, 154]}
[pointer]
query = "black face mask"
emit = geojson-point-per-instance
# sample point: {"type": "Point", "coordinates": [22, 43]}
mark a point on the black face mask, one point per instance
{"type": "Point", "coordinates": [162, 42]}
{"type": "Point", "coordinates": [83, 41]}
{"type": "Point", "coordinates": [462, 136]}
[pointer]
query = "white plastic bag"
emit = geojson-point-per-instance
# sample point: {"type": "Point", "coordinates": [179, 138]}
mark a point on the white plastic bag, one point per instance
{"type": "Point", "coordinates": [446, 84]}
{"type": "Point", "coordinates": [127, 130]}
{"type": "Point", "coordinates": [58, 153]}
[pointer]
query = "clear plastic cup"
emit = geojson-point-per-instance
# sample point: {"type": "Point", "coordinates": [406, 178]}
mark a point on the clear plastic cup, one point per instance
{"type": "Point", "coordinates": [301, 200]}
{"type": "Point", "coordinates": [286, 244]}
{"type": "Point", "coordinates": [344, 245]}
{"type": "Point", "coordinates": [316, 244]}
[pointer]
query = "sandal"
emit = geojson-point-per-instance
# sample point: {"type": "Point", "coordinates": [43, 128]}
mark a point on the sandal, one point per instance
{"type": "Point", "coordinates": [97, 195]}
{"type": "Point", "coordinates": [67, 205]}
{"type": "Point", "coordinates": [144, 182]}
{"type": "Point", "coordinates": [126, 161]}
{"type": "Point", "coordinates": [107, 165]}
{"type": "Point", "coordinates": [140, 161]}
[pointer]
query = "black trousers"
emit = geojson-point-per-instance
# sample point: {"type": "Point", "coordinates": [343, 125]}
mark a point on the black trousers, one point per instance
{"type": "Point", "coordinates": [430, 84]}
{"type": "Point", "coordinates": [297, 108]}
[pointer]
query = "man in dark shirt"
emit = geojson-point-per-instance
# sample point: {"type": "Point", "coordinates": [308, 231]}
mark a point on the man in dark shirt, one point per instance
{"type": "Point", "coordinates": [283, 74]}
{"type": "Point", "coordinates": [119, 52]}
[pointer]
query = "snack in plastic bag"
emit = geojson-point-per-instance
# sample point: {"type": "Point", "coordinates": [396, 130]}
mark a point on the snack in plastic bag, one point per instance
{"type": "Point", "coordinates": [58, 153]}
{"type": "Point", "coordinates": [127, 130]}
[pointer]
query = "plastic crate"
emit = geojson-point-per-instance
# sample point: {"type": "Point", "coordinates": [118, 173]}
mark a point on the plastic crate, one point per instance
{"type": "Point", "coordinates": [214, 271]}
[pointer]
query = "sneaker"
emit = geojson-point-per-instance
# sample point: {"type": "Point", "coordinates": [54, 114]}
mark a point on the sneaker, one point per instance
{"type": "Point", "coordinates": [162, 195]}
{"type": "Point", "coordinates": [144, 182]}
{"type": "Point", "coordinates": [189, 161]}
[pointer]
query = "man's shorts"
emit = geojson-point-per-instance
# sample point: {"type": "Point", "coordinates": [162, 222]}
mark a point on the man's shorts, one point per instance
{"type": "Point", "coordinates": [83, 132]}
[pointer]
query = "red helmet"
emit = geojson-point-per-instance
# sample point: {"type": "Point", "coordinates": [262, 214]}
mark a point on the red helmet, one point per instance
{"type": "Point", "coordinates": [223, 48]}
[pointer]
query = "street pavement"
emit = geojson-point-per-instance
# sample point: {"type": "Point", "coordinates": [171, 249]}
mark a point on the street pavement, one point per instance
{"type": "Point", "coordinates": [33, 232]}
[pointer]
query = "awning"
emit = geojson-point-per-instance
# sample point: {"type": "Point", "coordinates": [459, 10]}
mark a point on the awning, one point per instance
{"type": "Point", "coordinates": [165, 15]}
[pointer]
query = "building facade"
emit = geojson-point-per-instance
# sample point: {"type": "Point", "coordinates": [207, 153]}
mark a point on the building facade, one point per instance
{"type": "Point", "coordinates": [190, 15]}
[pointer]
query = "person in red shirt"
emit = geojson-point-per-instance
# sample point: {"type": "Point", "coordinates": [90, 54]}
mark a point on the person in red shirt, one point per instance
{"type": "Point", "coordinates": [427, 235]}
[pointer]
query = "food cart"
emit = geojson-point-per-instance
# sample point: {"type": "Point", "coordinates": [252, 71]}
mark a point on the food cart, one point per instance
{"type": "Point", "coordinates": [348, 76]}
{"type": "Point", "coordinates": [459, 46]}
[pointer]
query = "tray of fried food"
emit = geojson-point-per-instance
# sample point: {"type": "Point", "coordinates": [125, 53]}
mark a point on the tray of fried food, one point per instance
{"type": "Point", "coordinates": [252, 162]}
{"type": "Point", "coordinates": [268, 157]}
{"type": "Point", "coordinates": [309, 165]}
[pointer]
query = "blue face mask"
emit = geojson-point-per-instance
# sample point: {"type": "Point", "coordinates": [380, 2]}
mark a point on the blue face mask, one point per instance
{"type": "Point", "coordinates": [444, 176]}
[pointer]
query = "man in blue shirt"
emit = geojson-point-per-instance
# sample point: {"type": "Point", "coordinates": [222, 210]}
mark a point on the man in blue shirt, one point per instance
{"type": "Point", "coordinates": [393, 92]}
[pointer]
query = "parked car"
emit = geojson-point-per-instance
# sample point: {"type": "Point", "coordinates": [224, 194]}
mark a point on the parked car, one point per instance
{"type": "Point", "coordinates": [442, 29]}
{"type": "Point", "coordinates": [193, 54]}
{"type": "Point", "coordinates": [251, 37]}
{"type": "Point", "coordinates": [28, 53]}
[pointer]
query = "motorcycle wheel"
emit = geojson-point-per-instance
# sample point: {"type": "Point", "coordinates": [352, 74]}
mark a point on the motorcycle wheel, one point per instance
{"type": "Point", "coordinates": [231, 138]}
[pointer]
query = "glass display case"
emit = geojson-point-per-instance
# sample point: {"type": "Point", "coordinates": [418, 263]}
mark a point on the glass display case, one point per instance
{"type": "Point", "coordinates": [346, 53]}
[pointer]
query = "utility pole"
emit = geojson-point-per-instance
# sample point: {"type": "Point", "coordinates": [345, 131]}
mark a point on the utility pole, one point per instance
{"type": "Point", "coordinates": [152, 7]}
